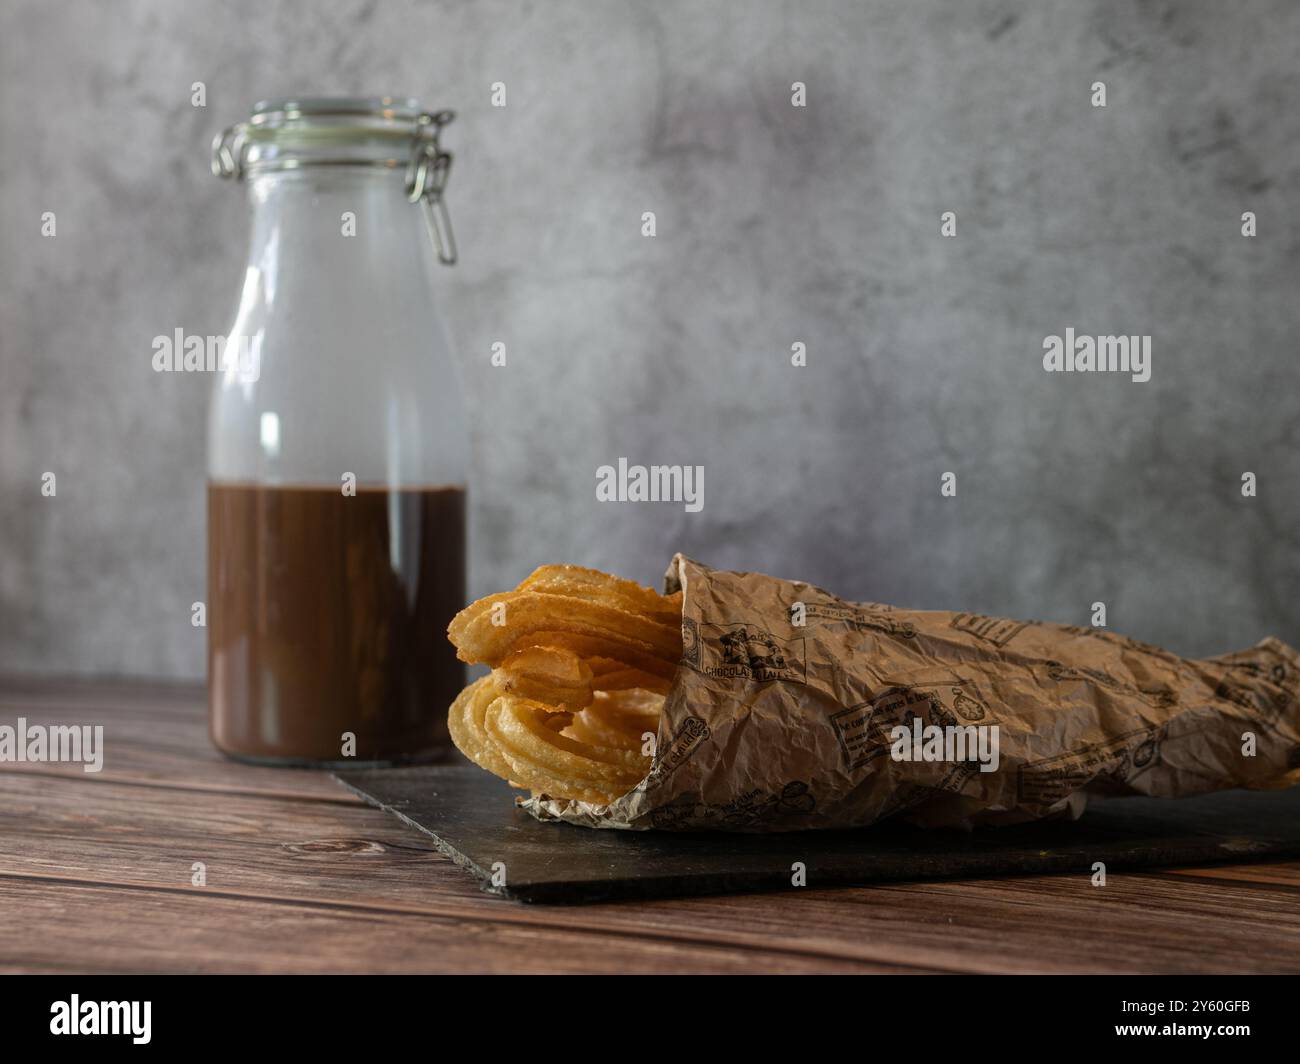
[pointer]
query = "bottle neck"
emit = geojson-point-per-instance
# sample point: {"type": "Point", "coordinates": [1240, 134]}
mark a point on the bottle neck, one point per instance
{"type": "Point", "coordinates": [349, 228]}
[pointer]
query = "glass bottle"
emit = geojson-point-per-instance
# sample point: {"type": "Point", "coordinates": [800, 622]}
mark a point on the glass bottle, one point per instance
{"type": "Point", "coordinates": [337, 445]}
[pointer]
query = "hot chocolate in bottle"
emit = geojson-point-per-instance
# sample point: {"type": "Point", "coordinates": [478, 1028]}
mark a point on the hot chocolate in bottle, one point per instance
{"type": "Point", "coordinates": [337, 444]}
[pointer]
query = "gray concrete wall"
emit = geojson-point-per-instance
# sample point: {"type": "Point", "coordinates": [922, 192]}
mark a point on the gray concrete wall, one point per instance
{"type": "Point", "coordinates": [775, 225]}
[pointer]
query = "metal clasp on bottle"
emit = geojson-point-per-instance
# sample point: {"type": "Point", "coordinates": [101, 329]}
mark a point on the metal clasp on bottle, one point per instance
{"type": "Point", "coordinates": [426, 178]}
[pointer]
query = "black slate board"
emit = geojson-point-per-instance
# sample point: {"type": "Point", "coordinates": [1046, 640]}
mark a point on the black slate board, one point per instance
{"type": "Point", "coordinates": [471, 817]}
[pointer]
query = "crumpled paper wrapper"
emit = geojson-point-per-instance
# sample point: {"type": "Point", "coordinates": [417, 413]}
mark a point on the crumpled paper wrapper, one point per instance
{"type": "Point", "coordinates": [775, 726]}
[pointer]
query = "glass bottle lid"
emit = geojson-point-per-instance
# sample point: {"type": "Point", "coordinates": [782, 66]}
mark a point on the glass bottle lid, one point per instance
{"type": "Point", "coordinates": [392, 132]}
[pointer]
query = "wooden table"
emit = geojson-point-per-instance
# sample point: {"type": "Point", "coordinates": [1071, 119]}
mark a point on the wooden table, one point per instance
{"type": "Point", "coordinates": [96, 875]}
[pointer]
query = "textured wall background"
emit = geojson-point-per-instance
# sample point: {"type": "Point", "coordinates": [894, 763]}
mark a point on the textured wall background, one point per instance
{"type": "Point", "coordinates": [775, 225]}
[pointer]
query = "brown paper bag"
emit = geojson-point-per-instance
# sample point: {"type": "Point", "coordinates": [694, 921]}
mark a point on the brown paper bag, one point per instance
{"type": "Point", "coordinates": [793, 709]}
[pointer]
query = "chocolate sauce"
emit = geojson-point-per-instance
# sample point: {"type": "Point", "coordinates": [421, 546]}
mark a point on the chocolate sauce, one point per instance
{"type": "Point", "coordinates": [327, 614]}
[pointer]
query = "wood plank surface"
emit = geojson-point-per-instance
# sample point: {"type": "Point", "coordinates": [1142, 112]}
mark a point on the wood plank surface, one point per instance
{"type": "Point", "coordinates": [95, 875]}
{"type": "Point", "coordinates": [82, 929]}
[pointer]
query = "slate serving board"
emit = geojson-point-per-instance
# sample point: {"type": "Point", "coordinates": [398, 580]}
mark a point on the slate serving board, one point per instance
{"type": "Point", "coordinates": [471, 817]}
